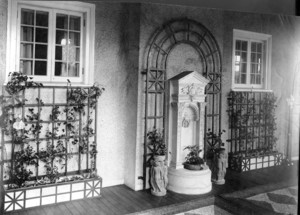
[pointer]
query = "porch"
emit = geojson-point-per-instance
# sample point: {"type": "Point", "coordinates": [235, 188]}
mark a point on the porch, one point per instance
{"type": "Point", "coordinates": [230, 197]}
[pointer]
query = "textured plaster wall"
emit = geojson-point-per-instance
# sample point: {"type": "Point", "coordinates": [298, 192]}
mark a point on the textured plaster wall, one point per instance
{"type": "Point", "coordinates": [3, 26]}
{"type": "Point", "coordinates": [116, 68]}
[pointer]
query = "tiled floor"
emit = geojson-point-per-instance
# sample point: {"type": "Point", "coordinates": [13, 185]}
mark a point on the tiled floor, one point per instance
{"type": "Point", "coordinates": [208, 210]}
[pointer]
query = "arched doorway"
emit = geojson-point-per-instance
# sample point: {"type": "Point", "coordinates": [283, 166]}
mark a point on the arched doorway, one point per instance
{"type": "Point", "coordinates": [202, 54]}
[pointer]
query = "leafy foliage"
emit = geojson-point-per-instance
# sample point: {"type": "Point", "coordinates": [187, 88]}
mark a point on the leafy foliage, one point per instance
{"type": "Point", "coordinates": [156, 142]}
{"type": "Point", "coordinates": [253, 122]}
{"type": "Point", "coordinates": [19, 82]}
{"type": "Point", "coordinates": [193, 156]}
{"type": "Point", "coordinates": [57, 139]}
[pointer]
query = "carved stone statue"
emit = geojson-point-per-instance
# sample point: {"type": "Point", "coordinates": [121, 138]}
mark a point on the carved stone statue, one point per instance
{"type": "Point", "coordinates": [221, 164]}
{"type": "Point", "coordinates": [158, 177]}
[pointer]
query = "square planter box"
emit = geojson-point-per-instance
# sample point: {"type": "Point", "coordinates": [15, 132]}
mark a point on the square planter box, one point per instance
{"type": "Point", "coordinates": [247, 163]}
{"type": "Point", "coordinates": [28, 197]}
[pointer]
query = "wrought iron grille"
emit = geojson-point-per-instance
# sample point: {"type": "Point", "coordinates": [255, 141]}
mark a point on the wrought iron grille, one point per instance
{"type": "Point", "coordinates": [77, 141]}
{"type": "Point", "coordinates": [252, 121]}
{"type": "Point", "coordinates": [173, 33]}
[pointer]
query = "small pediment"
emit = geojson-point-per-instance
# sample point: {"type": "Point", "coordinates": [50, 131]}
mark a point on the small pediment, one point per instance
{"type": "Point", "coordinates": [190, 77]}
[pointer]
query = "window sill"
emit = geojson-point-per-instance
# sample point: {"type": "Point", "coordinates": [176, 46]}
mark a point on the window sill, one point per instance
{"type": "Point", "coordinates": [60, 84]}
{"type": "Point", "coordinates": [251, 90]}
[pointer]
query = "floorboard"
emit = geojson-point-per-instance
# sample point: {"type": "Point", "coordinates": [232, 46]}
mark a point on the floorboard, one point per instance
{"type": "Point", "coordinates": [117, 200]}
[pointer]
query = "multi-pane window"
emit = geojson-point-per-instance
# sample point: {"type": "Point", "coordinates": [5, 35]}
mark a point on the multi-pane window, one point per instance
{"type": "Point", "coordinates": [37, 49]}
{"type": "Point", "coordinates": [67, 45]}
{"type": "Point", "coordinates": [54, 40]}
{"type": "Point", "coordinates": [34, 42]}
{"type": "Point", "coordinates": [251, 60]}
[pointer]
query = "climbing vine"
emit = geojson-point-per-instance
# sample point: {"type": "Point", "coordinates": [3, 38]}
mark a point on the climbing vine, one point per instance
{"type": "Point", "coordinates": [27, 128]}
{"type": "Point", "coordinates": [252, 122]}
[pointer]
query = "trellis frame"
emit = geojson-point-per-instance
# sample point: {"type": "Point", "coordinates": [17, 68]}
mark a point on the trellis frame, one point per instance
{"type": "Point", "coordinates": [165, 39]}
{"type": "Point", "coordinates": [39, 107]}
{"type": "Point", "coordinates": [252, 139]}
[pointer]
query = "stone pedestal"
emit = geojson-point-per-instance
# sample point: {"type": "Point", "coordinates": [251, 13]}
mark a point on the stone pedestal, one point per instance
{"type": "Point", "coordinates": [190, 182]}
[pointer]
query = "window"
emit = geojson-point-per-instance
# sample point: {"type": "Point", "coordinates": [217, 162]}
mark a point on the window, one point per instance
{"type": "Point", "coordinates": [52, 41]}
{"type": "Point", "coordinates": [251, 60]}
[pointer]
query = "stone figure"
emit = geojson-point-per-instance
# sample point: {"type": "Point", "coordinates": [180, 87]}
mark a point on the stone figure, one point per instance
{"type": "Point", "coordinates": [220, 166]}
{"type": "Point", "coordinates": [158, 178]}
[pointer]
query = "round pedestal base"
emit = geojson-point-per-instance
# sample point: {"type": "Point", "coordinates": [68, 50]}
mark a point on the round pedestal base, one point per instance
{"type": "Point", "coordinates": [189, 181]}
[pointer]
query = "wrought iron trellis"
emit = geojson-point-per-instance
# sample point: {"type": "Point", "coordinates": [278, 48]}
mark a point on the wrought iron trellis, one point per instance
{"type": "Point", "coordinates": [251, 124]}
{"type": "Point", "coordinates": [59, 95]}
{"type": "Point", "coordinates": [171, 34]}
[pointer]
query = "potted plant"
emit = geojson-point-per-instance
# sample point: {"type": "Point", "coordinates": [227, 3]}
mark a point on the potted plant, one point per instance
{"type": "Point", "coordinates": [157, 145]}
{"type": "Point", "coordinates": [193, 161]}
{"type": "Point", "coordinates": [219, 157]}
{"type": "Point", "coordinates": [216, 140]}
{"type": "Point", "coordinates": [158, 169]}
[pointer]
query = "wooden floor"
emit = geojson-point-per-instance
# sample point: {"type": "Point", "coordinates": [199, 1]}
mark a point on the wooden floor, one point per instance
{"type": "Point", "coordinates": [122, 200]}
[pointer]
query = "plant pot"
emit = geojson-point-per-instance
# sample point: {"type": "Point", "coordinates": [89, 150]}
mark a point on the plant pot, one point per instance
{"type": "Point", "coordinates": [28, 197]}
{"type": "Point", "coordinates": [195, 167]}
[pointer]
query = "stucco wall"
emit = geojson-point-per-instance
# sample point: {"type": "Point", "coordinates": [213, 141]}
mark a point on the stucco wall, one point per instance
{"type": "Point", "coordinates": [3, 26]}
{"type": "Point", "coordinates": [116, 68]}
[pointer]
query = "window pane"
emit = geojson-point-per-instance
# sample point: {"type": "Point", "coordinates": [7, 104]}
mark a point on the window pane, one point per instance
{"type": "Point", "coordinates": [41, 51]}
{"type": "Point", "coordinates": [61, 37]}
{"type": "Point", "coordinates": [74, 23]}
{"type": "Point", "coordinates": [40, 68]}
{"type": "Point", "coordinates": [243, 78]}
{"type": "Point", "coordinates": [237, 56]}
{"type": "Point", "coordinates": [244, 67]}
{"type": "Point", "coordinates": [42, 18]}
{"type": "Point", "coordinates": [26, 67]}
{"type": "Point", "coordinates": [244, 56]}
{"type": "Point", "coordinates": [75, 38]}
{"type": "Point", "coordinates": [244, 45]}
{"type": "Point", "coordinates": [27, 34]}
{"type": "Point", "coordinates": [26, 51]}
{"type": "Point", "coordinates": [77, 54]}
{"type": "Point", "coordinates": [27, 17]}
{"type": "Point", "coordinates": [252, 79]}
{"type": "Point", "coordinates": [258, 79]}
{"type": "Point", "coordinates": [237, 78]}
{"type": "Point", "coordinates": [72, 54]}
{"type": "Point", "coordinates": [253, 47]}
{"type": "Point", "coordinates": [253, 68]}
{"type": "Point", "coordinates": [41, 35]}
{"type": "Point", "coordinates": [73, 70]}
{"type": "Point", "coordinates": [62, 21]}
{"type": "Point", "coordinates": [61, 69]}
{"type": "Point", "coordinates": [238, 45]}
{"type": "Point", "coordinates": [253, 58]}
{"type": "Point", "coordinates": [58, 53]}
{"type": "Point", "coordinates": [259, 47]}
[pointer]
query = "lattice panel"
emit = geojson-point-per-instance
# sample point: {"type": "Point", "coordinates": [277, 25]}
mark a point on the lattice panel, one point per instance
{"type": "Point", "coordinates": [183, 31]}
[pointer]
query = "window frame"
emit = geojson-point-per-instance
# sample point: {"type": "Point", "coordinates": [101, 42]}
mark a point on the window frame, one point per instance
{"type": "Point", "coordinates": [266, 75]}
{"type": "Point", "coordinates": [87, 38]}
